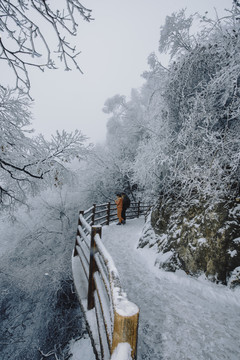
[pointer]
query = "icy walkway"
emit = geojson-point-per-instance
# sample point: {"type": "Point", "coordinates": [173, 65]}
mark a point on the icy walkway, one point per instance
{"type": "Point", "coordinates": [181, 318]}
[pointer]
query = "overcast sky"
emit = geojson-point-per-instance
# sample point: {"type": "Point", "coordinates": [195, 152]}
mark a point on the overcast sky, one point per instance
{"type": "Point", "coordinates": [115, 47]}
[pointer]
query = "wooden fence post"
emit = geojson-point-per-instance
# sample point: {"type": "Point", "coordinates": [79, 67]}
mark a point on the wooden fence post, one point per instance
{"type": "Point", "coordinates": [138, 209]}
{"type": "Point", "coordinates": [92, 266]}
{"type": "Point", "coordinates": [108, 213]}
{"type": "Point", "coordinates": [81, 212]}
{"type": "Point", "coordinates": [93, 213]}
{"type": "Point", "coordinates": [125, 329]}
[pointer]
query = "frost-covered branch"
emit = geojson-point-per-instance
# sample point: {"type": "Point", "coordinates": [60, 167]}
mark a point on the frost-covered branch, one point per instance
{"type": "Point", "coordinates": [29, 163]}
{"type": "Point", "coordinates": [26, 27]}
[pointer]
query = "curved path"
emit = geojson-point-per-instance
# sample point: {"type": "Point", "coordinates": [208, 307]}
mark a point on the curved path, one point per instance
{"type": "Point", "coordinates": [181, 318]}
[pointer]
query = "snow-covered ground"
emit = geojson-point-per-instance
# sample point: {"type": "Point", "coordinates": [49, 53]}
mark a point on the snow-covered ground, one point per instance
{"type": "Point", "coordinates": [181, 317]}
{"type": "Point", "coordinates": [81, 349]}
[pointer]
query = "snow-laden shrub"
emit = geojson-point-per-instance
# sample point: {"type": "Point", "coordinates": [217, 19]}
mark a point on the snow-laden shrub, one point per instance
{"type": "Point", "coordinates": [234, 279]}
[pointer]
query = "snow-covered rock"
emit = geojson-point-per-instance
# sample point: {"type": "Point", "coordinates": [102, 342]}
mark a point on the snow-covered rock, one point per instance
{"type": "Point", "coordinates": [199, 238]}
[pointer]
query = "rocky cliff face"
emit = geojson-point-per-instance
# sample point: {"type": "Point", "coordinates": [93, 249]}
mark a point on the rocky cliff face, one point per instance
{"type": "Point", "coordinates": [197, 239]}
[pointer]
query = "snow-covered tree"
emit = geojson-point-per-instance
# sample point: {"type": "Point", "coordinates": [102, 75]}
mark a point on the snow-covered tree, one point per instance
{"type": "Point", "coordinates": [35, 33]}
{"type": "Point", "coordinates": [103, 175]}
{"type": "Point", "coordinates": [193, 146]}
{"type": "Point", "coordinates": [110, 166]}
{"type": "Point", "coordinates": [175, 34]}
{"type": "Point", "coordinates": [27, 163]}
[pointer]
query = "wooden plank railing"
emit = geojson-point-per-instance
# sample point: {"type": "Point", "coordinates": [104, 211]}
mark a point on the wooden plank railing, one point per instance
{"type": "Point", "coordinates": [98, 286]}
{"type": "Point", "coordinates": [105, 213]}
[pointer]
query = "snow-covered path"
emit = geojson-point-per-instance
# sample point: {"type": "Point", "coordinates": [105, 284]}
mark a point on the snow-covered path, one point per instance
{"type": "Point", "coordinates": [181, 318]}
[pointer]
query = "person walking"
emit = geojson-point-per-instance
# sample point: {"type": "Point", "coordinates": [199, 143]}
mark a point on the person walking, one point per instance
{"type": "Point", "coordinates": [125, 206]}
{"type": "Point", "coordinates": [119, 203]}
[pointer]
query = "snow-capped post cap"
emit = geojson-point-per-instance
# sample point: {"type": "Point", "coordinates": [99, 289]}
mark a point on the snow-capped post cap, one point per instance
{"type": "Point", "coordinates": [127, 308]}
{"type": "Point", "coordinates": [125, 329]}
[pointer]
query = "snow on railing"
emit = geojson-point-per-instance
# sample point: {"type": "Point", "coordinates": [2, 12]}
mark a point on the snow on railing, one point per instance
{"type": "Point", "coordinates": [112, 320]}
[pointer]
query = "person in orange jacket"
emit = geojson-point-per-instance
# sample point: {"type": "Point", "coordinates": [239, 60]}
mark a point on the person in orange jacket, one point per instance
{"type": "Point", "coordinates": [119, 203]}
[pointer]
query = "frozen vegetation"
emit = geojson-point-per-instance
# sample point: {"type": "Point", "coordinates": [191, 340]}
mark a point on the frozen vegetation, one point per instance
{"type": "Point", "coordinates": [39, 311]}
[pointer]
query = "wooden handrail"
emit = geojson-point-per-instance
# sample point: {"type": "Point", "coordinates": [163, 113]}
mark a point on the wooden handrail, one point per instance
{"type": "Point", "coordinates": [98, 285]}
{"type": "Point", "coordinates": [103, 214]}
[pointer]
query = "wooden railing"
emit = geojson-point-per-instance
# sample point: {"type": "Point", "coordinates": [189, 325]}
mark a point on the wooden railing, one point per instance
{"type": "Point", "coordinates": [103, 214]}
{"type": "Point", "coordinates": [112, 320]}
